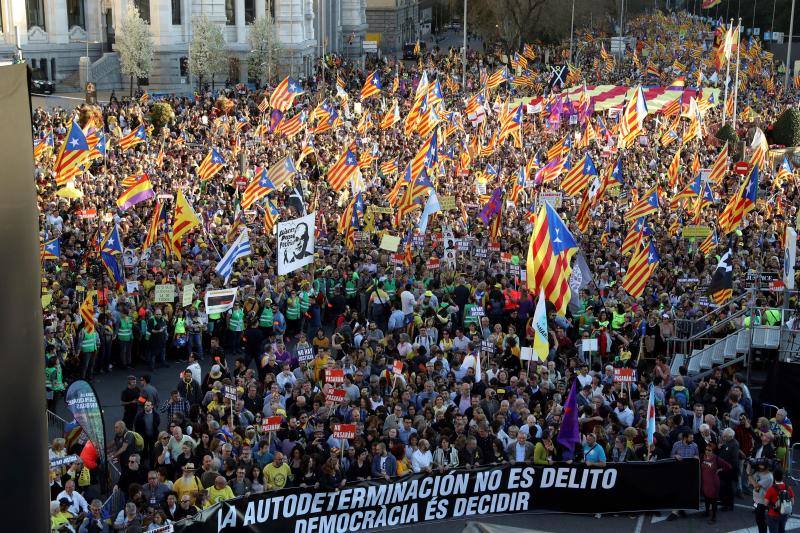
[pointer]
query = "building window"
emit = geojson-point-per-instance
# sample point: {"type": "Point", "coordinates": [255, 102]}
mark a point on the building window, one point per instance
{"type": "Point", "coordinates": [176, 12]}
{"type": "Point", "coordinates": [75, 14]}
{"type": "Point", "coordinates": [249, 11]}
{"type": "Point", "coordinates": [230, 12]}
{"type": "Point", "coordinates": [35, 12]}
{"type": "Point", "coordinates": [144, 9]}
{"type": "Point", "coordinates": [184, 67]}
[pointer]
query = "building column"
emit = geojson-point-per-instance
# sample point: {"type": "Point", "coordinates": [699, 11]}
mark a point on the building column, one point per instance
{"type": "Point", "coordinates": [56, 21]}
{"type": "Point", "coordinates": [15, 17]}
{"type": "Point", "coordinates": [241, 28]}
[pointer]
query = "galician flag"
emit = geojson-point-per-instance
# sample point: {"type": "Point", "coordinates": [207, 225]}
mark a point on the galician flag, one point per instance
{"type": "Point", "coordinates": [541, 344]}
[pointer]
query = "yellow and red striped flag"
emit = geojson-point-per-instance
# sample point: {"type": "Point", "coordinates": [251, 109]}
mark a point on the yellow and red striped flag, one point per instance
{"type": "Point", "coordinates": [72, 154]}
{"type": "Point", "coordinates": [284, 94]}
{"type": "Point", "coordinates": [372, 86]}
{"type": "Point", "coordinates": [640, 269]}
{"type": "Point", "coordinates": [137, 136]}
{"type": "Point", "coordinates": [87, 313]}
{"type": "Point", "coordinates": [340, 174]}
{"type": "Point", "coordinates": [212, 164]}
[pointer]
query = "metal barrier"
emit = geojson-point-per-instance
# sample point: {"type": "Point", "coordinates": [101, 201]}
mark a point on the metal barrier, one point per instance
{"type": "Point", "coordinates": [55, 426]}
{"type": "Point", "coordinates": [114, 504]}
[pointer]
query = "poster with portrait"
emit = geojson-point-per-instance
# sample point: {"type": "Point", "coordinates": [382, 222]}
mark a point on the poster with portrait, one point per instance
{"type": "Point", "coordinates": [296, 243]}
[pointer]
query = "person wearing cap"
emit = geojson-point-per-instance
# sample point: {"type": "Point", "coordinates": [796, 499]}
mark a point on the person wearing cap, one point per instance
{"type": "Point", "coordinates": [61, 519]}
{"type": "Point", "coordinates": [76, 503]}
{"type": "Point", "coordinates": [188, 485]}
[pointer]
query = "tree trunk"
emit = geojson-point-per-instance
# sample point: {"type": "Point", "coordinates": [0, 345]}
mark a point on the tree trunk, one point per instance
{"type": "Point", "coordinates": [131, 95]}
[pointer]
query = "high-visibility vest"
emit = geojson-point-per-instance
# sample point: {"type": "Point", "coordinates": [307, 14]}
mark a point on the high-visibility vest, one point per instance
{"type": "Point", "coordinates": [89, 343]}
{"type": "Point", "coordinates": [293, 308]}
{"type": "Point", "coordinates": [180, 326]}
{"type": "Point", "coordinates": [265, 320]}
{"type": "Point", "coordinates": [305, 302]}
{"type": "Point", "coordinates": [125, 329]}
{"type": "Point", "coordinates": [237, 320]}
{"type": "Point", "coordinates": [350, 288]}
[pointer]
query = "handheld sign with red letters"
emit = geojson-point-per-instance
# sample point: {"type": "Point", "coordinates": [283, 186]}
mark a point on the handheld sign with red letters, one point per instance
{"type": "Point", "coordinates": [336, 395]}
{"type": "Point", "coordinates": [505, 257]}
{"type": "Point", "coordinates": [272, 423]}
{"type": "Point", "coordinates": [397, 366]}
{"type": "Point", "coordinates": [433, 263]}
{"type": "Point", "coordinates": [624, 375]}
{"type": "Point", "coordinates": [344, 431]}
{"type": "Point", "coordinates": [334, 375]}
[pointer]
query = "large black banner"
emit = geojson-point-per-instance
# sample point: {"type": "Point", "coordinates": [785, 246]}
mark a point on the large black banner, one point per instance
{"type": "Point", "coordinates": [458, 494]}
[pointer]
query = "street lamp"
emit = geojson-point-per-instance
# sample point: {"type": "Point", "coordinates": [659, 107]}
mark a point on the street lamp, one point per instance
{"type": "Point", "coordinates": [789, 49]}
{"type": "Point", "coordinates": [464, 50]}
{"type": "Point", "coordinates": [88, 42]}
{"type": "Point", "coordinates": [571, 29]}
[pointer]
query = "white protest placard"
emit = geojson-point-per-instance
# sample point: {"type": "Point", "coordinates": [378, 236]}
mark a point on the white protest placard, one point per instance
{"type": "Point", "coordinates": [187, 295]}
{"type": "Point", "coordinates": [390, 243]}
{"type": "Point", "coordinates": [476, 311]}
{"type": "Point", "coordinates": [526, 354]}
{"type": "Point", "coordinates": [296, 243]}
{"type": "Point", "coordinates": [56, 462]}
{"type": "Point", "coordinates": [165, 293]}
{"type": "Point", "coordinates": [589, 345]}
{"type": "Point", "coordinates": [219, 301]}
{"type": "Point", "coordinates": [131, 286]}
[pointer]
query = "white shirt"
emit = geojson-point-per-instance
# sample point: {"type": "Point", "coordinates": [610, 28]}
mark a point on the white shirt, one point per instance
{"type": "Point", "coordinates": [625, 416]}
{"type": "Point", "coordinates": [78, 502]}
{"type": "Point", "coordinates": [420, 460]}
{"type": "Point", "coordinates": [461, 344]}
{"type": "Point", "coordinates": [407, 302]}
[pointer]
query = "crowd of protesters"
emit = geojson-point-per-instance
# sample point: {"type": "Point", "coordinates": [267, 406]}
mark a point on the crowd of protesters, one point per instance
{"type": "Point", "coordinates": [451, 402]}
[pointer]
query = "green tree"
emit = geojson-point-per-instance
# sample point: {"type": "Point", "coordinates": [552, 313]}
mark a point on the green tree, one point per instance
{"type": "Point", "coordinates": [264, 49]}
{"type": "Point", "coordinates": [207, 51]}
{"type": "Point", "coordinates": [134, 45]}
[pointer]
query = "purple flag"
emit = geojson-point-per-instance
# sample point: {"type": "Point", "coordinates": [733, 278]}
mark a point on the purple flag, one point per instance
{"type": "Point", "coordinates": [569, 435]}
{"type": "Point", "coordinates": [492, 207]}
{"type": "Point", "coordinates": [274, 119]}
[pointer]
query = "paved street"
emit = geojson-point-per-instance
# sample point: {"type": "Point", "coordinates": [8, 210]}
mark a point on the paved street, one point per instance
{"type": "Point", "coordinates": [109, 386]}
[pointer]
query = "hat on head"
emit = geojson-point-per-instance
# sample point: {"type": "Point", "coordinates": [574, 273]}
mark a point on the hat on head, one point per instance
{"type": "Point", "coordinates": [64, 501]}
{"type": "Point", "coordinates": [216, 372]}
{"type": "Point", "coordinates": [428, 293]}
{"type": "Point", "coordinates": [189, 467]}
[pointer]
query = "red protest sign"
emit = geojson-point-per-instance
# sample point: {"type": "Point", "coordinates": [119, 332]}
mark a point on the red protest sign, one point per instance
{"type": "Point", "coordinates": [433, 263]}
{"type": "Point", "coordinates": [397, 366]}
{"type": "Point", "coordinates": [505, 257]}
{"type": "Point", "coordinates": [624, 375]}
{"type": "Point", "coordinates": [272, 423]}
{"type": "Point", "coordinates": [741, 168]}
{"type": "Point", "coordinates": [344, 431]}
{"type": "Point", "coordinates": [494, 246]}
{"type": "Point", "coordinates": [334, 375]}
{"type": "Point", "coordinates": [336, 395]}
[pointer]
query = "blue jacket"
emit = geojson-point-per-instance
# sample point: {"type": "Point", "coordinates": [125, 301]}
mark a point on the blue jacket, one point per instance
{"type": "Point", "coordinates": [390, 466]}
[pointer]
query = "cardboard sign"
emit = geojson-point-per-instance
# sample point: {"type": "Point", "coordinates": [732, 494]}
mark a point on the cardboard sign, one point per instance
{"type": "Point", "coordinates": [476, 311]}
{"type": "Point", "coordinates": [379, 210]}
{"type": "Point", "coordinates": [305, 355]}
{"type": "Point", "coordinates": [624, 375]}
{"type": "Point", "coordinates": [696, 232]}
{"type": "Point", "coordinates": [344, 431]}
{"type": "Point", "coordinates": [447, 203]}
{"type": "Point", "coordinates": [187, 295]}
{"type": "Point", "coordinates": [273, 423]}
{"type": "Point", "coordinates": [336, 395]}
{"type": "Point", "coordinates": [432, 263]}
{"type": "Point", "coordinates": [526, 354]}
{"type": "Point", "coordinates": [397, 366]}
{"type": "Point", "coordinates": [334, 375]}
{"type": "Point", "coordinates": [481, 253]}
{"type": "Point", "coordinates": [390, 243]}
{"type": "Point", "coordinates": [165, 293]}
{"type": "Point", "coordinates": [229, 391]}
{"type": "Point", "coordinates": [505, 257]}
{"type": "Point", "coordinates": [398, 259]}
{"type": "Point", "coordinates": [494, 246]}
{"type": "Point", "coordinates": [462, 245]}
{"type": "Point", "coordinates": [488, 347]}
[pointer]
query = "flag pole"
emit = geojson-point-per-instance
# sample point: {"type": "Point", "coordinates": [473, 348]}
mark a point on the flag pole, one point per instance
{"type": "Point", "coordinates": [727, 78]}
{"type": "Point", "coordinates": [738, 60]}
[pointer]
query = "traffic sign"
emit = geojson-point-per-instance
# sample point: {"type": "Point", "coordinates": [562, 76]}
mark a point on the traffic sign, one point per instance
{"type": "Point", "coordinates": [741, 168]}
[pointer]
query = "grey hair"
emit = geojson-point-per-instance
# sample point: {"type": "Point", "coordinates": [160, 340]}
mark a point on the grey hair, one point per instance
{"type": "Point", "coordinates": [705, 427]}
{"type": "Point", "coordinates": [728, 433]}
